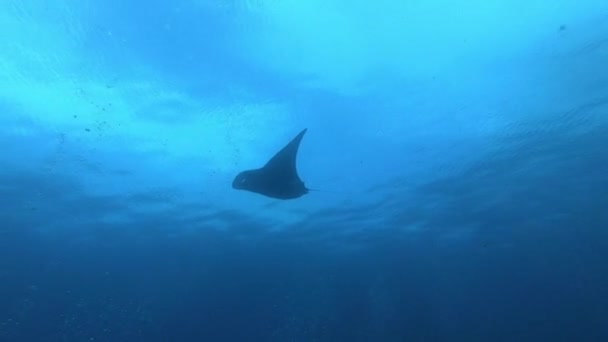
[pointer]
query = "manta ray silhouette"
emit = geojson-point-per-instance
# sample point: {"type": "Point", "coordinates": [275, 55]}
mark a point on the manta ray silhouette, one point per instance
{"type": "Point", "coordinates": [278, 178]}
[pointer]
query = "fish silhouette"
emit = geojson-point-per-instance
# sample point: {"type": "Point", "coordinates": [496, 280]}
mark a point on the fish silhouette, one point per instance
{"type": "Point", "coordinates": [278, 178]}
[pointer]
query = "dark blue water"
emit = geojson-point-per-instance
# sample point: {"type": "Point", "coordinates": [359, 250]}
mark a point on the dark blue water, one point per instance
{"type": "Point", "coordinates": [460, 154]}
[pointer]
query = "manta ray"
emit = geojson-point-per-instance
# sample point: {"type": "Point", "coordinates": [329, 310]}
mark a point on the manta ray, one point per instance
{"type": "Point", "coordinates": [278, 178]}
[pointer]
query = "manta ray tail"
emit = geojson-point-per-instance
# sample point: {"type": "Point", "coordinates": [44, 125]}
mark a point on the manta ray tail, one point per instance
{"type": "Point", "coordinates": [327, 191]}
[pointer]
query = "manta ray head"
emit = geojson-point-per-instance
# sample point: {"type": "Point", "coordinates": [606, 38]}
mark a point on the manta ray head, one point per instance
{"type": "Point", "coordinates": [243, 180]}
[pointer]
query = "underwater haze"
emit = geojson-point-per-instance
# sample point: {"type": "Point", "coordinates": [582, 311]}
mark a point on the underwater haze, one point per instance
{"type": "Point", "coordinates": [459, 150]}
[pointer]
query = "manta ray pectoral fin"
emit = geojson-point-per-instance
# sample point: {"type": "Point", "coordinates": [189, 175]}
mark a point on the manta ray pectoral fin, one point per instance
{"type": "Point", "coordinates": [286, 157]}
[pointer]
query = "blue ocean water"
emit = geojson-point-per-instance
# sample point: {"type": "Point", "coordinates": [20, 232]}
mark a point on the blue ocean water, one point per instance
{"type": "Point", "coordinates": [460, 150]}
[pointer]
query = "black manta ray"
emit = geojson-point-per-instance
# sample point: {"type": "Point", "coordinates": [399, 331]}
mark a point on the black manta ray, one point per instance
{"type": "Point", "coordinates": [278, 178]}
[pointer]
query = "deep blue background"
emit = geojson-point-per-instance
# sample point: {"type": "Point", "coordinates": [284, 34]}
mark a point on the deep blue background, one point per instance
{"type": "Point", "coordinates": [460, 150]}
